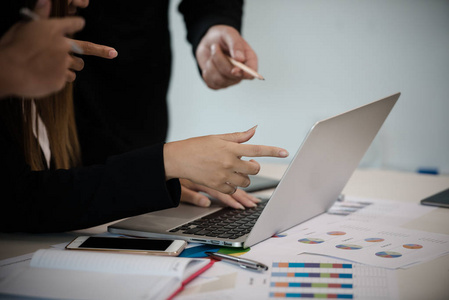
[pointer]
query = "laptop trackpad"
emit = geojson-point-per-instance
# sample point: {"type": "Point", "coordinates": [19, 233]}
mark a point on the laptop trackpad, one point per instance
{"type": "Point", "coordinates": [185, 211]}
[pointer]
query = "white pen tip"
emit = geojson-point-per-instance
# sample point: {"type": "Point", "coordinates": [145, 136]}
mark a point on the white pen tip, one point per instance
{"type": "Point", "coordinates": [25, 11]}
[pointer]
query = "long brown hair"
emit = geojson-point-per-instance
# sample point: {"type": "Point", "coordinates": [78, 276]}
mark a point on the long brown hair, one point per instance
{"type": "Point", "coordinates": [57, 113]}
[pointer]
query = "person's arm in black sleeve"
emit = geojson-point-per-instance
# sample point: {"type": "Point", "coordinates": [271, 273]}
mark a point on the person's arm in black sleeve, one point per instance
{"type": "Point", "coordinates": [214, 32]}
{"type": "Point", "coordinates": [61, 200]}
{"type": "Point", "coordinates": [200, 15]}
{"type": "Point", "coordinates": [10, 13]}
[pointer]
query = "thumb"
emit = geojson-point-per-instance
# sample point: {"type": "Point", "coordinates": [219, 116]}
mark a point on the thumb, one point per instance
{"type": "Point", "coordinates": [240, 137]}
{"type": "Point", "coordinates": [236, 45]}
{"type": "Point", "coordinates": [193, 197]}
{"type": "Point", "coordinates": [43, 8]}
{"type": "Point", "coordinates": [69, 25]}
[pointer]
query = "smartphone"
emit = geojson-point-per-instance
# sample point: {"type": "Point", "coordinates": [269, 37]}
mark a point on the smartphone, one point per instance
{"type": "Point", "coordinates": [440, 199]}
{"type": "Point", "coordinates": [128, 245]}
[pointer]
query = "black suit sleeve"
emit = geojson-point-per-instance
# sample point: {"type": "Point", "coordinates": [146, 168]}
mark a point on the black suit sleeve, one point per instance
{"type": "Point", "coordinates": [61, 200]}
{"type": "Point", "coordinates": [10, 13]}
{"type": "Point", "coordinates": [200, 15]}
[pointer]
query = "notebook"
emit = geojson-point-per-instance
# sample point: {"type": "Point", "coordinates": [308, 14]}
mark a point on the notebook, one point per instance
{"type": "Point", "coordinates": [312, 182]}
{"type": "Point", "coordinates": [68, 274]}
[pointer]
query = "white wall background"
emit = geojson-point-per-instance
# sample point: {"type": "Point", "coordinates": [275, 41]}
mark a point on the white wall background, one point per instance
{"type": "Point", "coordinates": [322, 58]}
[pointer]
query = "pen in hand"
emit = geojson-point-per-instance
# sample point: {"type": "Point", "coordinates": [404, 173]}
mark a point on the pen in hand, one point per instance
{"type": "Point", "coordinates": [25, 11]}
{"type": "Point", "coordinates": [245, 68]}
{"type": "Point", "coordinates": [241, 262]}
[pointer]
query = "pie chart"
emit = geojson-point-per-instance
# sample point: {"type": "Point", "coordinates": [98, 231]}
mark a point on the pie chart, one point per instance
{"type": "Point", "coordinates": [389, 254]}
{"type": "Point", "coordinates": [311, 241]}
{"type": "Point", "coordinates": [349, 247]}
{"type": "Point", "coordinates": [412, 246]}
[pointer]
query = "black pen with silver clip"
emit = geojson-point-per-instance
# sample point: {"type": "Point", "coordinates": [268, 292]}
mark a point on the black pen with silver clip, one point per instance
{"type": "Point", "coordinates": [242, 262]}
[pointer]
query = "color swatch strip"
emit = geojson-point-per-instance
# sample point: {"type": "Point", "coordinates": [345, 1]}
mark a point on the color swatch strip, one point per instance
{"type": "Point", "coordinates": [312, 285]}
{"type": "Point", "coordinates": [311, 295]}
{"type": "Point", "coordinates": [314, 275]}
{"type": "Point", "coordinates": [311, 265]}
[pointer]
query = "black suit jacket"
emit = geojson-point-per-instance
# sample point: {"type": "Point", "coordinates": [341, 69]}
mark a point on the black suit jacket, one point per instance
{"type": "Point", "coordinates": [60, 200]}
{"type": "Point", "coordinates": [121, 104]}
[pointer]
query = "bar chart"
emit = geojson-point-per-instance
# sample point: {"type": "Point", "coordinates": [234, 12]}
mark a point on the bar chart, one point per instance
{"type": "Point", "coordinates": [327, 280]}
{"type": "Point", "coordinates": [311, 280]}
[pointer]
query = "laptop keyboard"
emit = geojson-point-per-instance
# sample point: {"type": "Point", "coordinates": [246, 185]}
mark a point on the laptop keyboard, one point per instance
{"type": "Point", "coordinates": [226, 223]}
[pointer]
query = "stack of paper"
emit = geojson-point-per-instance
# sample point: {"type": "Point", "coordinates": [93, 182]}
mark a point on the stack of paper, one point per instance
{"type": "Point", "coordinates": [64, 274]}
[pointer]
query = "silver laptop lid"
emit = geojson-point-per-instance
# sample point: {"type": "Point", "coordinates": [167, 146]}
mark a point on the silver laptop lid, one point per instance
{"type": "Point", "coordinates": [321, 168]}
{"type": "Point", "coordinates": [314, 179]}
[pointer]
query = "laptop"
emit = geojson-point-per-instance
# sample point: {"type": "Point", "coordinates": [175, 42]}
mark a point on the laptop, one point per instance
{"type": "Point", "coordinates": [312, 182]}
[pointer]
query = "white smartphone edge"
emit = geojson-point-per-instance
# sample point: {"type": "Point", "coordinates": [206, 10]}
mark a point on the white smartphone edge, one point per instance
{"type": "Point", "coordinates": [174, 249]}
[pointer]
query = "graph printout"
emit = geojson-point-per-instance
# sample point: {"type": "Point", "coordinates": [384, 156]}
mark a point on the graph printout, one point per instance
{"type": "Point", "coordinates": [370, 243]}
{"type": "Point", "coordinates": [329, 280]}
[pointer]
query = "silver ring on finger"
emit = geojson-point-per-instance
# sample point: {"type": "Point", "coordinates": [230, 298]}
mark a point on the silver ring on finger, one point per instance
{"type": "Point", "coordinates": [235, 187]}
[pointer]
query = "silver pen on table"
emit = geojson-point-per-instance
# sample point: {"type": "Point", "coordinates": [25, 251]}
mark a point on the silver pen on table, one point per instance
{"type": "Point", "coordinates": [242, 262]}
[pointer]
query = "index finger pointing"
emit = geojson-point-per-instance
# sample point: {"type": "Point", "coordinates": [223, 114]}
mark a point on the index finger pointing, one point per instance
{"type": "Point", "coordinates": [97, 50]}
{"type": "Point", "coordinates": [260, 150]}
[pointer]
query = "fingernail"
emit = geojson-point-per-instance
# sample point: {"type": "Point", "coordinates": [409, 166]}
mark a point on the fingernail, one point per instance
{"type": "Point", "coordinates": [252, 128]}
{"type": "Point", "coordinates": [256, 200]}
{"type": "Point", "coordinates": [239, 206]}
{"type": "Point", "coordinates": [238, 55]}
{"type": "Point", "coordinates": [283, 153]}
{"type": "Point", "coordinates": [236, 72]}
{"type": "Point", "coordinates": [204, 202]}
{"type": "Point", "coordinates": [213, 48]}
{"type": "Point", "coordinates": [113, 53]}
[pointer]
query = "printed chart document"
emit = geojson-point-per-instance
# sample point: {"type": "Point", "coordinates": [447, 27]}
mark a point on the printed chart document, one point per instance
{"type": "Point", "coordinates": [382, 211]}
{"type": "Point", "coordinates": [305, 278]}
{"type": "Point", "coordinates": [362, 230]}
{"type": "Point", "coordinates": [66, 274]}
{"type": "Point", "coordinates": [369, 243]}
{"type": "Point", "coordinates": [296, 277]}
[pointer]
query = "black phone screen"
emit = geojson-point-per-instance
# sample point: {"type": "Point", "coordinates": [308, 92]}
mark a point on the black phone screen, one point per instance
{"type": "Point", "coordinates": [126, 243]}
